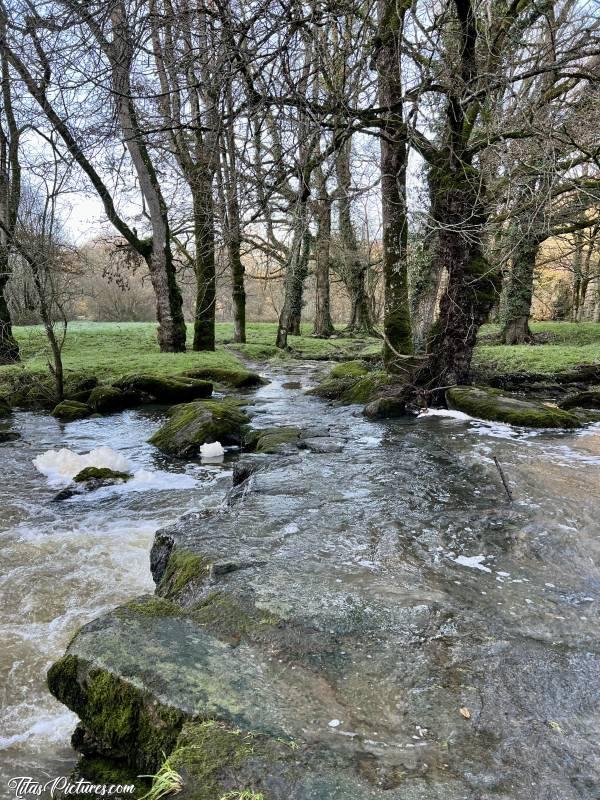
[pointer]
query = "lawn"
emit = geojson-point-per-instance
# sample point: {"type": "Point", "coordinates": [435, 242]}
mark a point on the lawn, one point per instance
{"type": "Point", "coordinates": [108, 350]}
{"type": "Point", "coordinates": [560, 346]}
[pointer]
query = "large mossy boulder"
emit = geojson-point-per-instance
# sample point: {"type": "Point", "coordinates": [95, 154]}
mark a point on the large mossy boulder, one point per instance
{"type": "Point", "coordinates": [234, 378]}
{"type": "Point", "coordinates": [349, 369]}
{"type": "Point", "coordinates": [178, 389]}
{"type": "Point", "coordinates": [353, 388]}
{"type": "Point", "coordinates": [70, 410]}
{"type": "Point", "coordinates": [490, 404]}
{"type": "Point", "coordinates": [193, 424]}
{"type": "Point", "coordinates": [109, 399]}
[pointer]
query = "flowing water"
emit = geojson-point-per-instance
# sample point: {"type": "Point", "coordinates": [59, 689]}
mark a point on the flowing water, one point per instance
{"type": "Point", "coordinates": [423, 493]}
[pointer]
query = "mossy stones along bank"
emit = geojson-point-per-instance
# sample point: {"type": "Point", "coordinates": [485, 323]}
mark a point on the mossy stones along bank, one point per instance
{"type": "Point", "coordinates": [489, 404]}
{"type": "Point", "coordinates": [234, 378]}
{"type": "Point", "coordinates": [178, 389]}
{"type": "Point", "coordinates": [70, 410]}
{"type": "Point", "coordinates": [193, 424]}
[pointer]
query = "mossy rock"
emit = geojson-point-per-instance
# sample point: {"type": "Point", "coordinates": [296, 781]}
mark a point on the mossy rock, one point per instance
{"type": "Point", "coordinates": [109, 399]}
{"type": "Point", "coordinates": [385, 408]}
{"type": "Point", "coordinates": [353, 389]}
{"type": "Point", "coordinates": [149, 606]}
{"type": "Point", "coordinates": [104, 474]}
{"type": "Point", "coordinates": [491, 405]}
{"type": "Point", "coordinates": [182, 569]}
{"type": "Point", "coordinates": [216, 761]}
{"type": "Point", "coordinates": [80, 388]}
{"type": "Point", "coordinates": [235, 378]}
{"type": "Point", "coordinates": [177, 389]}
{"type": "Point", "coordinates": [272, 440]}
{"type": "Point", "coordinates": [193, 424]}
{"type": "Point", "coordinates": [589, 399]}
{"type": "Point", "coordinates": [118, 720]}
{"type": "Point", "coordinates": [70, 410]}
{"type": "Point", "coordinates": [223, 615]}
{"type": "Point", "coordinates": [349, 369]}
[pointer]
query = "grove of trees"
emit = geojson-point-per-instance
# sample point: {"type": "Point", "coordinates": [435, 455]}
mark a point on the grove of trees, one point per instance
{"type": "Point", "coordinates": [445, 140]}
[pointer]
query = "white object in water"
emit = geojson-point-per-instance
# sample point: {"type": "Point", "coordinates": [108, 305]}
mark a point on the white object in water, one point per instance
{"type": "Point", "coordinates": [335, 723]}
{"type": "Point", "coordinates": [475, 562]}
{"type": "Point", "coordinates": [212, 451]}
{"type": "Point", "coordinates": [62, 465]}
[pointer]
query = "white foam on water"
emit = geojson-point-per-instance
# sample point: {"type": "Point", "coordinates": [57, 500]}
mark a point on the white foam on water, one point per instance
{"type": "Point", "coordinates": [474, 562]}
{"type": "Point", "coordinates": [212, 451]}
{"type": "Point", "coordinates": [445, 412]}
{"type": "Point", "coordinates": [55, 728]}
{"type": "Point", "coordinates": [61, 466]}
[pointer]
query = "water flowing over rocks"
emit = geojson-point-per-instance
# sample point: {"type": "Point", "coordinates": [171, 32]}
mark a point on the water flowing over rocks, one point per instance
{"type": "Point", "coordinates": [326, 632]}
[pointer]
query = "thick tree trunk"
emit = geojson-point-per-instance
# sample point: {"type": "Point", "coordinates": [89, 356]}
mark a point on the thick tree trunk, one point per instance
{"type": "Point", "coordinates": [516, 306]}
{"type": "Point", "coordinates": [472, 286]}
{"type": "Point", "coordinates": [206, 291]}
{"type": "Point", "coordinates": [394, 154]}
{"type": "Point", "coordinates": [323, 326]}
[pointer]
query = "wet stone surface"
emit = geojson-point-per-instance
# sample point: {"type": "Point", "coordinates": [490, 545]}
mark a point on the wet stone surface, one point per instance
{"type": "Point", "coordinates": [383, 605]}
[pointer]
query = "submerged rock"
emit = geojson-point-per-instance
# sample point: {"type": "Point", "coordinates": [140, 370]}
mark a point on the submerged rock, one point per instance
{"type": "Point", "coordinates": [91, 478]}
{"type": "Point", "coordinates": [489, 404]}
{"type": "Point", "coordinates": [322, 444]}
{"type": "Point", "coordinates": [193, 424]}
{"type": "Point", "coordinates": [8, 435]}
{"type": "Point", "coordinates": [70, 410]}
{"type": "Point", "coordinates": [273, 440]}
{"type": "Point", "coordinates": [178, 389]}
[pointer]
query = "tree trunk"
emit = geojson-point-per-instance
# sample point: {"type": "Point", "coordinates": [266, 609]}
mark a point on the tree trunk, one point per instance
{"type": "Point", "coordinates": [323, 326]}
{"type": "Point", "coordinates": [169, 305]}
{"type": "Point", "coordinates": [9, 349]}
{"type": "Point", "coordinates": [472, 286]}
{"type": "Point", "coordinates": [295, 275]}
{"type": "Point", "coordinates": [516, 306]}
{"type": "Point", "coordinates": [355, 268]}
{"type": "Point", "coordinates": [394, 154]}
{"type": "Point", "coordinates": [204, 263]}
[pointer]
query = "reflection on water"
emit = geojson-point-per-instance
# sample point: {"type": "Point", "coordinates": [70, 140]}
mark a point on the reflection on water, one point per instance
{"type": "Point", "coordinates": [418, 498]}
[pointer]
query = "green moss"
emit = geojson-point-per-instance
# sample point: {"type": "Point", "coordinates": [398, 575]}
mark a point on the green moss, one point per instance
{"type": "Point", "coordinates": [349, 369]}
{"type": "Point", "coordinates": [208, 751]}
{"type": "Point", "coordinates": [182, 568]}
{"type": "Point", "coordinates": [193, 424]}
{"type": "Point", "coordinates": [101, 474]}
{"type": "Point", "coordinates": [151, 607]}
{"type": "Point", "coordinates": [108, 399]}
{"type": "Point", "coordinates": [271, 440]}
{"type": "Point", "coordinates": [224, 616]}
{"type": "Point", "coordinates": [236, 378]}
{"type": "Point", "coordinates": [71, 410]}
{"type": "Point", "coordinates": [166, 389]}
{"type": "Point", "coordinates": [126, 722]}
{"type": "Point", "coordinates": [350, 390]}
{"type": "Point", "coordinates": [490, 404]}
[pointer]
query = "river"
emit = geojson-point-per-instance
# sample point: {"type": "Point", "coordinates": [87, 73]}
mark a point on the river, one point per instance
{"type": "Point", "coordinates": [425, 491]}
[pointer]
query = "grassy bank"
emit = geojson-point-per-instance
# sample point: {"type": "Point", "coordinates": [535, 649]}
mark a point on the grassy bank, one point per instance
{"type": "Point", "coordinates": [110, 350]}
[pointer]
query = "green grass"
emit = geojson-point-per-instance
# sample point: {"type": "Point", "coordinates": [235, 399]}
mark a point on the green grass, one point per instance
{"type": "Point", "coordinates": [110, 350]}
{"type": "Point", "coordinates": [560, 346]}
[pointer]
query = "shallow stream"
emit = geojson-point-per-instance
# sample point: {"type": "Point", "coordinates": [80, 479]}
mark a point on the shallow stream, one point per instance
{"type": "Point", "coordinates": [429, 517]}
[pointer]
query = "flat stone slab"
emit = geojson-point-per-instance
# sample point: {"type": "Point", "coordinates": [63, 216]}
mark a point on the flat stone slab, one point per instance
{"type": "Point", "coordinates": [489, 404]}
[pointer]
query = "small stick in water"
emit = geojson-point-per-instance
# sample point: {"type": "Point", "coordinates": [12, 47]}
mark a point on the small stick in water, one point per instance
{"type": "Point", "coordinates": [504, 481]}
